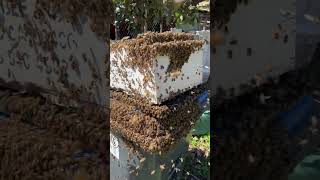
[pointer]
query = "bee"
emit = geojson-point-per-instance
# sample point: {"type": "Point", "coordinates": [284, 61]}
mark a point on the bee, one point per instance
{"type": "Point", "coordinates": [229, 52]}
{"type": "Point", "coordinates": [162, 167]}
{"type": "Point", "coordinates": [314, 130]}
{"type": "Point", "coordinates": [153, 172]}
{"type": "Point", "coordinates": [11, 74]}
{"type": "Point", "coordinates": [314, 121]}
{"type": "Point", "coordinates": [233, 42]}
{"type": "Point", "coordinates": [269, 68]}
{"type": "Point", "coordinates": [217, 38]}
{"type": "Point", "coordinates": [213, 50]}
{"type": "Point", "coordinates": [280, 28]}
{"type": "Point", "coordinates": [303, 142]}
{"type": "Point", "coordinates": [173, 165]}
{"type": "Point", "coordinates": [175, 73]}
{"type": "Point", "coordinates": [249, 51]}
{"type": "Point", "coordinates": [251, 158]}
{"type": "Point", "coordinates": [226, 29]}
{"type": "Point", "coordinates": [285, 39]}
{"type": "Point", "coordinates": [275, 35]}
{"type": "Point", "coordinates": [311, 18]}
{"type": "Point", "coordinates": [142, 160]}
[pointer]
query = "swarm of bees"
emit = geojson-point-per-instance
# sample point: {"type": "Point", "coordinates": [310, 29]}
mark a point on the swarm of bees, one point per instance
{"type": "Point", "coordinates": [30, 152]}
{"type": "Point", "coordinates": [142, 53]}
{"type": "Point", "coordinates": [86, 127]}
{"type": "Point", "coordinates": [141, 105]}
{"type": "Point", "coordinates": [152, 37]}
{"type": "Point", "coordinates": [98, 11]}
{"type": "Point", "coordinates": [144, 49]}
{"type": "Point", "coordinates": [158, 127]}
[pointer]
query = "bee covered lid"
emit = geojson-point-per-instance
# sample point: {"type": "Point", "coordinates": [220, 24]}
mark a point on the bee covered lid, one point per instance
{"type": "Point", "coordinates": [144, 49]}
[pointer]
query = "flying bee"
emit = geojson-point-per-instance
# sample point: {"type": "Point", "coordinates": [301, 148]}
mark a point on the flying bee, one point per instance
{"type": "Point", "coordinates": [162, 167]}
{"type": "Point", "coordinates": [303, 142]}
{"type": "Point", "coordinates": [275, 35]}
{"type": "Point", "coordinates": [229, 52]}
{"type": "Point", "coordinates": [153, 172]}
{"type": "Point", "coordinates": [249, 51]}
{"type": "Point", "coordinates": [285, 39]}
{"type": "Point", "coordinates": [233, 42]}
{"type": "Point", "coordinates": [280, 28]}
{"type": "Point", "coordinates": [226, 29]}
{"type": "Point", "coordinates": [214, 50]}
{"type": "Point", "coordinates": [217, 38]}
{"type": "Point", "coordinates": [142, 160]}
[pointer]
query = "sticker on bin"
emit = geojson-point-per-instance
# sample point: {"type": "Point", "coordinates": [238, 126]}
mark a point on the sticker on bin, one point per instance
{"type": "Point", "coordinates": [114, 146]}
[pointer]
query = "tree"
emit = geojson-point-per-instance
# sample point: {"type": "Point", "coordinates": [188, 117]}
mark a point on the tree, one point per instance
{"type": "Point", "coordinates": [136, 16]}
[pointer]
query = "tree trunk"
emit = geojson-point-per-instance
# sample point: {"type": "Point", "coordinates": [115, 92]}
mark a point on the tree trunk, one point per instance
{"type": "Point", "coordinates": [145, 29]}
{"type": "Point", "coordinates": [141, 8]}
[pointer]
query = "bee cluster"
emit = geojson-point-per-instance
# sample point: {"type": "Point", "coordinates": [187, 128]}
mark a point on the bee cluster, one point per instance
{"type": "Point", "coordinates": [31, 153]}
{"type": "Point", "coordinates": [250, 142]}
{"type": "Point", "coordinates": [50, 141]}
{"type": "Point", "coordinates": [142, 105]}
{"type": "Point", "coordinates": [152, 37]}
{"type": "Point", "coordinates": [98, 12]}
{"type": "Point", "coordinates": [154, 128]}
{"type": "Point", "coordinates": [144, 49]}
{"type": "Point", "coordinates": [151, 65]}
{"type": "Point", "coordinates": [88, 124]}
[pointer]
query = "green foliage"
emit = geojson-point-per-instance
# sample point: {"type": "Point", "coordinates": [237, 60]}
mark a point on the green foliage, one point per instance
{"type": "Point", "coordinates": [196, 162]}
{"type": "Point", "coordinates": [203, 125]}
{"type": "Point", "coordinates": [130, 13]}
{"type": "Point", "coordinates": [202, 142]}
{"type": "Point", "coordinates": [186, 14]}
{"type": "Point", "coordinates": [133, 12]}
{"type": "Point", "coordinates": [199, 170]}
